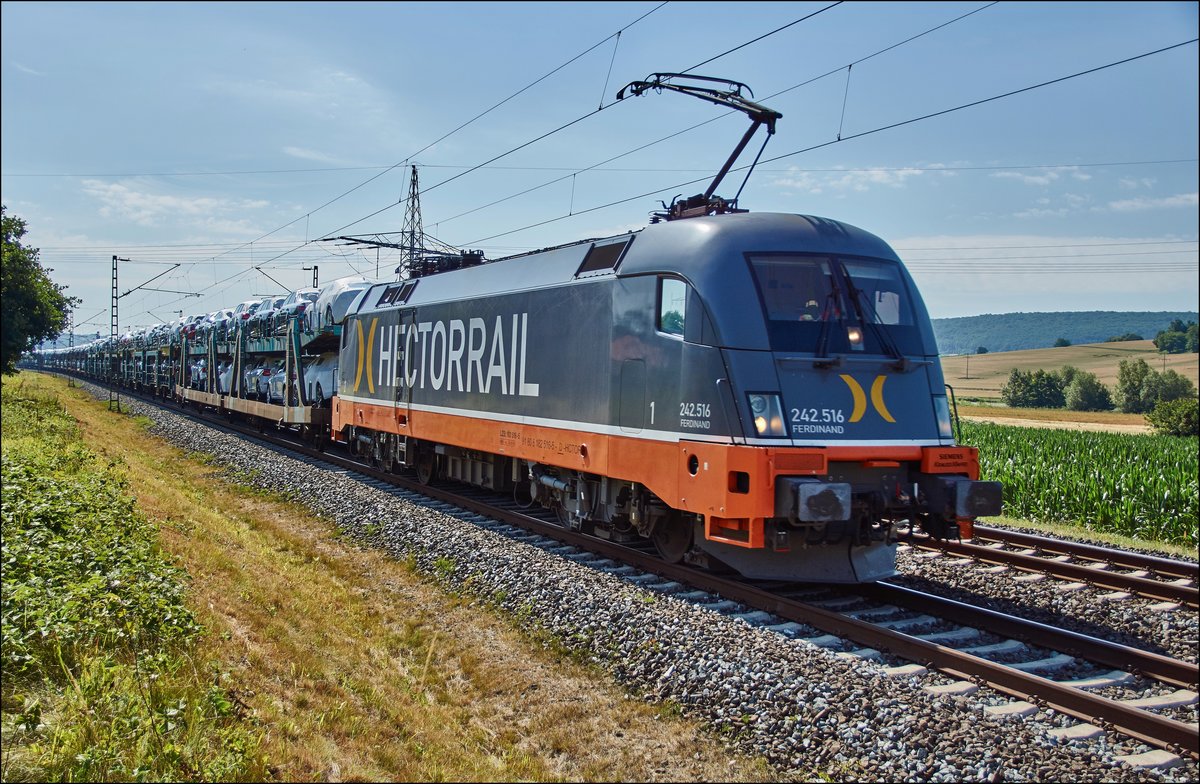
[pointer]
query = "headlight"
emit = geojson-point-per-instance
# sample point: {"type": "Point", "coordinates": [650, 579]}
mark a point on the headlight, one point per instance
{"type": "Point", "coordinates": [768, 415]}
{"type": "Point", "coordinates": [941, 407]}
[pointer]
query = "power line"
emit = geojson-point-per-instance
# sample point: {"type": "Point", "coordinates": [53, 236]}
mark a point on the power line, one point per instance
{"type": "Point", "coordinates": [761, 37]}
{"type": "Point", "coordinates": [1071, 245]}
{"type": "Point", "coordinates": [556, 130]}
{"type": "Point", "coordinates": [203, 248]}
{"type": "Point", "coordinates": [842, 139]}
{"type": "Point", "coordinates": [627, 170]}
{"type": "Point", "coordinates": [522, 146]}
{"type": "Point", "coordinates": [718, 117]}
{"type": "Point", "coordinates": [442, 138]}
{"type": "Point", "coordinates": [1057, 256]}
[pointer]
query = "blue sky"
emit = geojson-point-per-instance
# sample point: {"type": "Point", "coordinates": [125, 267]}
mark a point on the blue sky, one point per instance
{"type": "Point", "coordinates": [228, 136]}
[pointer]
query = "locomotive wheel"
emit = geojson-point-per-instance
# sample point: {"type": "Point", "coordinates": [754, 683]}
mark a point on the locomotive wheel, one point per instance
{"type": "Point", "coordinates": [672, 538]}
{"type": "Point", "coordinates": [426, 466]}
{"type": "Point", "coordinates": [938, 527]}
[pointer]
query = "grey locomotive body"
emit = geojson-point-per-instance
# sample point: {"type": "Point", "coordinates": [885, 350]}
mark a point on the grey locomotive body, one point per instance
{"type": "Point", "coordinates": [761, 390]}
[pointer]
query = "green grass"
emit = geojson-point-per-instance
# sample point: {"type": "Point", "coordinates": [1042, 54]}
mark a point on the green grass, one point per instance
{"type": "Point", "coordinates": [1141, 486]}
{"type": "Point", "coordinates": [101, 680]}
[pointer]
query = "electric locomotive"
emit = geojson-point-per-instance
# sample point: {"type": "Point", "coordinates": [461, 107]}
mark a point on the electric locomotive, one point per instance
{"type": "Point", "coordinates": [756, 390]}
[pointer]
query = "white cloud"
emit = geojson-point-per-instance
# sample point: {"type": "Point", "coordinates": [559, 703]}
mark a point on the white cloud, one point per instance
{"type": "Point", "coordinates": [130, 201]}
{"type": "Point", "coordinates": [1130, 183]}
{"type": "Point", "coordinates": [27, 69]}
{"type": "Point", "coordinates": [312, 155]}
{"type": "Point", "coordinates": [857, 180]}
{"type": "Point", "coordinates": [1142, 204]}
{"type": "Point", "coordinates": [1036, 212]}
{"type": "Point", "coordinates": [1045, 176]}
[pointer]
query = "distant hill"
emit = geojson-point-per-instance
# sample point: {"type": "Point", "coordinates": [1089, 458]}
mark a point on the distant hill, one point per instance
{"type": "Point", "coordinates": [1021, 331]}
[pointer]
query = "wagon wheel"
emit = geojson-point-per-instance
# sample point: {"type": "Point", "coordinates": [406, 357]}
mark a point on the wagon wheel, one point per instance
{"type": "Point", "coordinates": [672, 538]}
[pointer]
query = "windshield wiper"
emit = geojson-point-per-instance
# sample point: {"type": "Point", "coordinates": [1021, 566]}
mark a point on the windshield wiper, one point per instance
{"type": "Point", "coordinates": [870, 318]}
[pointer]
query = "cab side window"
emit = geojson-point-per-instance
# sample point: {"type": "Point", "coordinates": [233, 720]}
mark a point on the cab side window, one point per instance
{"type": "Point", "coordinates": [672, 305]}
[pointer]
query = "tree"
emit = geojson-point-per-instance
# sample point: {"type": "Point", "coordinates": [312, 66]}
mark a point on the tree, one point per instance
{"type": "Point", "coordinates": [1169, 385]}
{"type": "Point", "coordinates": [1177, 338]}
{"type": "Point", "coordinates": [1066, 374]}
{"type": "Point", "coordinates": [1140, 388]}
{"type": "Point", "coordinates": [1085, 392]}
{"type": "Point", "coordinates": [35, 309]}
{"type": "Point", "coordinates": [1062, 343]}
{"type": "Point", "coordinates": [1171, 342]}
{"type": "Point", "coordinates": [1131, 378]}
{"type": "Point", "coordinates": [1124, 337]}
{"type": "Point", "coordinates": [1037, 389]}
{"type": "Point", "coordinates": [1176, 417]}
{"type": "Point", "coordinates": [981, 350]}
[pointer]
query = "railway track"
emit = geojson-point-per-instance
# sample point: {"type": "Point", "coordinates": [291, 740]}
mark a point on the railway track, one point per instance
{"type": "Point", "coordinates": [1137, 574]}
{"type": "Point", "coordinates": [880, 617]}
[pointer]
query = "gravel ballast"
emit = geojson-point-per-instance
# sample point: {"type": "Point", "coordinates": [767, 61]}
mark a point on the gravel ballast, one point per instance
{"type": "Point", "coordinates": [804, 708]}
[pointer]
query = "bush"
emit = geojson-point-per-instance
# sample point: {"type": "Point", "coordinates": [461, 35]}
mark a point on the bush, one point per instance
{"type": "Point", "coordinates": [1085, 392]}
{"type": "Point", "coordinates": [1062, 343]}
{"type": "Point", "coordinates": [1124, 337]}
{"type": "Point", "coordinates": [1037, 389]}
{"type": "Point", "coordinates": [1176, 417]}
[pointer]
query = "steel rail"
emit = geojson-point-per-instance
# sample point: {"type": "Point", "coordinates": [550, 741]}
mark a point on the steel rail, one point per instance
{"type": "Point", "coordinates": [1137, 723]}
{"type": "Point", "coordinates": [1142, 586]}
{"type": "Point", "coordinates": [1152, 563]}
{"type": "Point", "coordinates": [1093, 649]}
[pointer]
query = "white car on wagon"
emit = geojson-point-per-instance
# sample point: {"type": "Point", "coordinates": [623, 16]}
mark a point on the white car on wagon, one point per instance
{"type": "Point", "coordinates": [333, 302]}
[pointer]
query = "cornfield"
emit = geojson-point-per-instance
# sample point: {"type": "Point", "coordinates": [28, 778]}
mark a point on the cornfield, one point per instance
{"type": "Point", "coordinates": [1140, 486]}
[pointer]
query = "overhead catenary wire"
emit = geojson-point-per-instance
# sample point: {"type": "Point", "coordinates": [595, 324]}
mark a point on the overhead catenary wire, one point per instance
{"type": "Point", "coordinates": [443, 182]}
{"type": "Point", "coordinates": [777, 158]}
{"type": "Point", "coordinates": [626, 170]}
{"type": "Point", "coordinates": [449, 133]}
{"type": "Point", "coordinates": [861, 134]}
{"type": "Point", "coordinates": [559, 129]}
{"type": "Point", "coordinates": [682, 131]}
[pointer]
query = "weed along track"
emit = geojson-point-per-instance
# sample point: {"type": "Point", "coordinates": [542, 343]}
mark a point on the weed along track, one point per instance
{"type": "Point", "coordinates": [766, 664]}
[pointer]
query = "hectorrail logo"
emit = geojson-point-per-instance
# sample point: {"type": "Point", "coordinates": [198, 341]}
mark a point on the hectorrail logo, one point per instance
{"type": "Point", "coordinates": [860, 398]}
{"type": "Point", "coordinates": [364, 352]}
{"type": "Point", "coordinates": [451, 355]}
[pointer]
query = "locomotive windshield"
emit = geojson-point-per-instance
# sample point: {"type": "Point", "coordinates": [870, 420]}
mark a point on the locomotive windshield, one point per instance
{"type": "Point", "coordinates": [828, 304]}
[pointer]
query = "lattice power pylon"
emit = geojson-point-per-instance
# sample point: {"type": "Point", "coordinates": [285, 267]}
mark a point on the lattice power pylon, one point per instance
{"type": "Point", "coordinates": [114, 397]}
{"type": "Point", "coordinates": [412, 236]}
